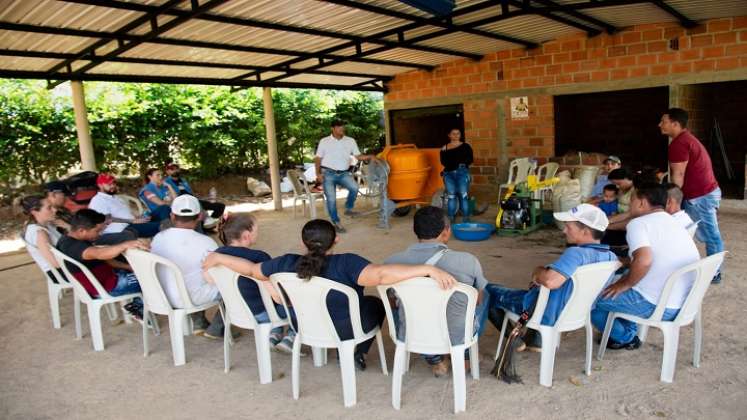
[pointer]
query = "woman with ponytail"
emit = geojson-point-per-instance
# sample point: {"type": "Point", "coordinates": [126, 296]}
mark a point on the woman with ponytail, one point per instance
{"type": "Point", "coordinates": [319, 238]}
{"type": "Point", "coordinates": [41, 232]}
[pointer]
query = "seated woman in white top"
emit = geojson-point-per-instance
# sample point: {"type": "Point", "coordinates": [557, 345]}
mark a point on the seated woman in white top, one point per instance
{"type": "Point", "coordinates": [40, 232]}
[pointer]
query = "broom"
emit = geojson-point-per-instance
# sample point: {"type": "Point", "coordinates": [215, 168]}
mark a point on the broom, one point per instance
{"type": "Point", "coordinates": [505, 365]}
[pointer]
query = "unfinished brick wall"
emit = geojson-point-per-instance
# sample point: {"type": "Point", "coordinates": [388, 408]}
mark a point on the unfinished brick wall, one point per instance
{"type": "Point", "coordinates": [637, 53]}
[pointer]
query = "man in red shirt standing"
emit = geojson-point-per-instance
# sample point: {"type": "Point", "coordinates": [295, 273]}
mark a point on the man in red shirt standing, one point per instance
{"type": "Point", "coordinates": [691, 169]}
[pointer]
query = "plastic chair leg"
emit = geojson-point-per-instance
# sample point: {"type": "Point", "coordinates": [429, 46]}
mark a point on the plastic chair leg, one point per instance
{"type": "Point", "coordinates": [500, 337]}
{"type": "Point", "coordinates": [176, 330]}
{"type": "Point", "coordinates": [407, 361]}
{"type": "Point", "coordinates": [382, 355]}
{"type": "Point", "coordinates": [54, 304]}
{"type": "Point", "coordinates": [347, 369]}
{"type": "Point", "coordinates": [606, 335]}
{"type": "Point", "coordinates": [589, 347]}
{"type": "Point", "coordinates": [697, 345]}
{"type": "Point", "coordinates": [459, 379]}
{"type": "Point", "coordinates": [76, 316]}
{"type": "Point", "coordinates": [400, 354]}
{"type": "Point", "coordinates": [547, 358]}
{"type": "Point", "coordinates": [264, 360]}
{"type": "Point", "coordinates": [111, 311]}
{"type": "Point", "coordinates": [146, 314]}
{"type": "Point", "coordinates": [669, 359]}
{"type": "Point", "coordinates": [94, 320]}
{"type": "Point", "coordinates": [312, 207]}
{"type": "Point", "coordinates": [295, 366]}
{"type": "Point", "coordinates": [642, 332]}
{"type": "Point", "coordinates": [227, 344]}
{"type": "Point", "coordinates": [188, 325]}
{"type": "Point", "coordinates": [474, 361]}
{"type": "Point", "coordinates": [295, 200]}
{"type": "Point", "coordinates": [319, 356]}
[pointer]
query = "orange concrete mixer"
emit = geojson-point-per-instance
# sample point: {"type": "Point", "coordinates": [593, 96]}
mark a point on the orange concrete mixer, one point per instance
{"type": "Point", "coordinates": [414, 174]}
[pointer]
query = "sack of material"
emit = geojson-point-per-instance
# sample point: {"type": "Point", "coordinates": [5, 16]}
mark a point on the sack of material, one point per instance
{"type": "Point", "coordinates": [257, 188]}
{"type": "Point", "coordinates": [565, 196]}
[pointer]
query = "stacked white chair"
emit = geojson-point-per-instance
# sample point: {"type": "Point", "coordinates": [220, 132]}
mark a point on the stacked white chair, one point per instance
{"type": "Point", "coordinates": [315, 327]}
{"type": "Point", "coordinates": [426, 332]}
{"type": "Point", "coordinates": [144, 265]}
{"type": "Point", "coordinates": [588, 282]}
{"type": "Point", "coordinates": [302, 193]}
{"type": "Point", "coordinates": [238, 313]}
{"type": "Point", "coordinates": [689, 313]}
{"type": "Point", "coordinates": [93, 305]}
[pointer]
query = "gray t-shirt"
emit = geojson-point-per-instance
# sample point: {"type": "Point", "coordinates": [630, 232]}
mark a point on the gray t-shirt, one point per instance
{"type": "Point", "coordinates": [462, 265]}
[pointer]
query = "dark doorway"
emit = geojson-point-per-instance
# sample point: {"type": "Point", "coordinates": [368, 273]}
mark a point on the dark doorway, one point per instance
{"type": "Point", "coordinates": [425, 127]}
{"type": "Point", "coordinates": [622, 123]}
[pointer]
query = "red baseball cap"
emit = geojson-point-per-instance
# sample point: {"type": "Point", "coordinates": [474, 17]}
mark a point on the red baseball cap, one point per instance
{"type": "Point", "coordinates": [105, 179]}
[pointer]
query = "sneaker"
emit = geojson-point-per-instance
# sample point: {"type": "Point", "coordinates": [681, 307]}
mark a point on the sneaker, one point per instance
{"type": "Point", "coordinates": [360, 361]}
{"type": "Point", "coordinates": [533, 341]}
{"type": "Point", "coordinates": [212, 335]}
{"type": "Point", "coordinates": [199, 323]}
{"type": "Point", "coordinates": [285, 345]}
{"type": "Point", "coordinates": [633, 344]}
{"type": "Point", "coordinates": [351, 213]}
{"type": "Point", "coordinates": [716, 279]}
{"type": "Point", "coordinates": [339, 228]}
{"type": "Point", "coordinates": [441, 368]}
{"type": "Point", "coordinates": [275, 339]}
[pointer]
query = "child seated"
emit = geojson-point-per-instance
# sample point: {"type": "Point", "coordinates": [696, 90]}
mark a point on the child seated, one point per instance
{"type": "Point", "coordinates": [239, 232]}
{"type": "Point", "coordinates": [609, 200]}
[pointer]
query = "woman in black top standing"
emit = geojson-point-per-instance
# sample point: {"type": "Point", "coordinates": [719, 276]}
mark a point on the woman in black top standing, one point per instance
{"type": "Point", "coordinates": [456, 156]}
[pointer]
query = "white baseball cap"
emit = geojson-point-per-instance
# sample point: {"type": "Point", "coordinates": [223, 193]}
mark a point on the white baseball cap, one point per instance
{"type": "Point", "coordinates": [186, 205]}
{"type": "Point", "coordinates": [591, 216]}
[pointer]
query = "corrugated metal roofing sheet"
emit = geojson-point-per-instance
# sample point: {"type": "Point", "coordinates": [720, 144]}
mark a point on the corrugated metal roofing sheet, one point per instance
{"type": "Point", "coordinates": [531, 28]}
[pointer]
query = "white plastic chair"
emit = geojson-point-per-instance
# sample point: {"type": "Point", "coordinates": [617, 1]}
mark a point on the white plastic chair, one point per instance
{"type": "Point", "coordinates": [518, 171]}
{"type": "Point", "coordinates": [132, 201]}
{"type": "Point", "coordinates": [588, 282]}
{"type": "Point", "coordinates": [690, 312]}
{"type": "Point", "coordinates": [238, 313]}
{"type": "Point", "coordinates": [545, 172]}
{"type": "Point", "coordinates": [54, 290]}
{"type": "Point", "coordinates": [315, 327]}
{"type": "Point", "coordinates": [155, 301]}
{"type": "Point", "coordinates": [692, 228]}
{"type": "Point", "coordinates": [93, 305]}
{"type": "Point", "coordinates": [427, 332]}
{"type": "Point", "coordinates": [301, 192]}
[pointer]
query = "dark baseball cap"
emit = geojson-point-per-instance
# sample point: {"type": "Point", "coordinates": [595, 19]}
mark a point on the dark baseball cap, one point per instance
{"type": "Point", "coordinates": [57, 186]}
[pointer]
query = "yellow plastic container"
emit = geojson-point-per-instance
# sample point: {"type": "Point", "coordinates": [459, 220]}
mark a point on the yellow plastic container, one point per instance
{"type": "Point", "coordinates": [409, 170]}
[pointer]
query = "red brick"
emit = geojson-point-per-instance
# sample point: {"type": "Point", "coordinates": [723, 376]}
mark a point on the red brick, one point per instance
{"type": "Point", "coordinates": [675, 32]}
{"type": "Point", "coordinates": [571, 45]}
{"type": "Point", "coordinates": [656, 46]}
{"type": "Point", "coordinates": [660, 70]}
{"type": "Point", "coordinates": [561, 57]}
{"type": "Point", "coordinates": [597, 53]}
{"type": "Point", "coordinates": [526, 62]}
{"type": "Point", "coordinates": [742, 36]}
{"type": "Point", "coordinates": [719, 25]}
{"type": "Point", "coordinates": [619, 74]}
{"type": "Point", "coordinates": [631, 37]}
{"type": "Point", "coordinates": [704, 65]}
{"type": "Point", "coordinates": [626, 61]}
{"type": "Point", "coordinates": [737, 49]}
{"type": "Point", "coordinates": [639, 72]}
{"type": "Point", "coordinates": [740, 22]}
{"type": "Point", "coordinates": [667, 57]}
{"type": "Point", "coordinates": [700, 29]}
{"type": "Point", "coordinates": [563, 79]}
{"type": "Point", "coordinates": [636, 49]}
{"type": "Point", "coordinates": [571, 67]}
{"type": "Point", "coordinates": [581, 77]}
{"type": "Point", "coordinates": [702, 40]}
{"type": "Point", "coordinates": [542, 60]}
{"type": "Point", "coordinates": [682, 67]}
{"type": "Point", "coordinates": [725, 38]}
{"type": "Point", "coordinates": [518, 53]}
{"type": "Point", "coordinates": [514, 84]}
{"type": "Point", "coordinates": [713, 52]}
{"type": "Point", "coordinates": [617, 51]}
{"type": "Point", "coordinates": [608, 63]}
{"type": "Point", "coordinates": [727, 63]}
{"type": "Point", "coordinates": [579, 55]}
{"type": "Point", "coordinates": [690, 54]}
{"type": "Point", "coordinates": [600, 76]}
{"type": "Point", "coordinates": [647, 59]}
{"type": "Point", "coordinates": [537, 71]}
{"type": "Point", "coordinates": [554, 69]}
{"type": "Point", "coordinates": [536, 142]}
{"type": "Point", "coordinates": [551, 47]}
{"type": "Point", "coordinates": [529, 83]}
{"type": "Point", "coordinates": [653, 35]}
{"type": "Point", "coordinates": [547, 81]}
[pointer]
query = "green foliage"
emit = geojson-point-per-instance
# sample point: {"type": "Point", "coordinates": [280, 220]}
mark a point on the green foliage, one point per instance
{"type": "Point", "coordinates": [210, 130]}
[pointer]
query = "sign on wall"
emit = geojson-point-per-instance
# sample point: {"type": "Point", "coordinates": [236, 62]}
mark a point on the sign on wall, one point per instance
{"type": "Point", "coordinates": [520, 108]}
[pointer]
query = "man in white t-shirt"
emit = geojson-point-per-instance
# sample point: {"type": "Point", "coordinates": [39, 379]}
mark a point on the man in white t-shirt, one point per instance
{"type": "Point", "coordinates": [332, 161]}
{"type": "Point", "coordinates": [123, 225]}
{"type": "Point", "coordinates": [187, 248]}
{"type": "Point", "coordinates": [674, 206]}
{"type": "Point", "coordinates": [658, 246]}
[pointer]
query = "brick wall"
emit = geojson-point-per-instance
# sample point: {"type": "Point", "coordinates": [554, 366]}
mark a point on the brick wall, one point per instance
{"type": "Point", "coordinates": [638, 54]}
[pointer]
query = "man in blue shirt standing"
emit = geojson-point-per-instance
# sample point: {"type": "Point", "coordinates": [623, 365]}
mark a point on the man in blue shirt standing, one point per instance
{"type": "Point", "coordinates": [584, 228]}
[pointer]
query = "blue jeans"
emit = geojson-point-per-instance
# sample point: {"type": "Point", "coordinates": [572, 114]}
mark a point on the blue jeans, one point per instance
{"type": "Point", "coordinates": [331, 180]}
{"type": "Point", "coordinates": [457, 191]}
{"type": "Point", "coordinates": [126, 283]}
{"type": "Point", "coordinates": [264, 318]}
{"type": "Point", "coordinates": [703, 209]}
{"type": "Point", "coordinates": [145, 230]}
{"type": "Point", "coordinates": [629, 302]}
{"type": "Point", "coordinates": [160, 213]}
{"type": "Point", "coordinates": [505, 298]}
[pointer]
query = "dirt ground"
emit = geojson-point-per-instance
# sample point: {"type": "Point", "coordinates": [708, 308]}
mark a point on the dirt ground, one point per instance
{"type": "Point", "coordinates": [46, 373]}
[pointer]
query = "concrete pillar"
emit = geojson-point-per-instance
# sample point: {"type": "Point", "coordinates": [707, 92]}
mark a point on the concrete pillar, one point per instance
{"type": "Point", "coordinates": [87, 158]}
{"type": "Point", "coordinates": [272, 148]}
{"type": "Point", "coordinates": [387, 128]}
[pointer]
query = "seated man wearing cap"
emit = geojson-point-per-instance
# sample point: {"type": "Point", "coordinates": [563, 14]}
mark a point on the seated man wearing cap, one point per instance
{"type": "Point", "coordinates": [610, 164]}
{"type": "Point", "coordinates": [584, 228]}
{"type": "Point", "coordinates": [658, 246]}
{"type": "Point", "coordinates": [181, 186]}
{"type": "Point", "coordinates": [123, 225]}
{"type": "Point", "coordinates": [187, 248]}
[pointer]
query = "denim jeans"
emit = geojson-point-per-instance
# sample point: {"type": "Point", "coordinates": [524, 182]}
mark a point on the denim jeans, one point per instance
{"type": "Point", "coordinates": [703, 209]}
{"type": "Point", "coordinates": [145, 230]}
{"type": "Point", "coordinates": [629, 302]}
{"type": "Point", "coordinates": [264, 318]}
{"type": "Point", "coordinates": [331, 180]}
{"type": "Point", "coordinates": [126, 283]}
{"type": "Point", "coordinates": [457, 191]}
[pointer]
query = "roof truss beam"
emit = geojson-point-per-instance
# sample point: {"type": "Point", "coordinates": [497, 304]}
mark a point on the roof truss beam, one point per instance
{"type": "Point", "coordinates": [578, 15]}
{"type": "Point", "coordinates": [530, 9]}
{"type": "Point", "coordinates": [684, 20]}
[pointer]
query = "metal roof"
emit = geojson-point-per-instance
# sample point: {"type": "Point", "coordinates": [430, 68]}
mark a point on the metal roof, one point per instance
{"type": "Point", "coordinates": [337, 44]}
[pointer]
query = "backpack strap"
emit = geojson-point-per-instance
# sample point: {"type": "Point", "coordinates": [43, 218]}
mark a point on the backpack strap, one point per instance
{"type": "Point", "coordinates": [433, 260]}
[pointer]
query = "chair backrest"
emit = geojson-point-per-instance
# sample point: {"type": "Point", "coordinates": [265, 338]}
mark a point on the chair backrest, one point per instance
{"type": "Point", "coordinates": [81, 291]}
{"type": "Point", "coordinates": [692, 228]}
{"type": "Point", "coordinates": [547, 171]}
{"type": "Point", "coordinates": [309, 300]}
{"type": "Point", "coordinates": [519, 170]}
{"type": "Point", "coordinates": [144, 264]}
{"type": "Point", "coordinates": [132, 201]}
{"type": "Point", "coordinates": [588, 281]}
{"type": "Point", "coordinates": [424, 303]}
{"type": "Point", "coordinates": [294, 177]}
{"type": "Point", "coordinates": [60, 280]}
{"type": "Point", "coordinates": [238, 311]}
{"type": "Point", "coordinates": [705, 269]}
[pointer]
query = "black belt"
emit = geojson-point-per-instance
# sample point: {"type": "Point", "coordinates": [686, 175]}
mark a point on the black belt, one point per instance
{"type": "Point", "coordinates": [334, 170]}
